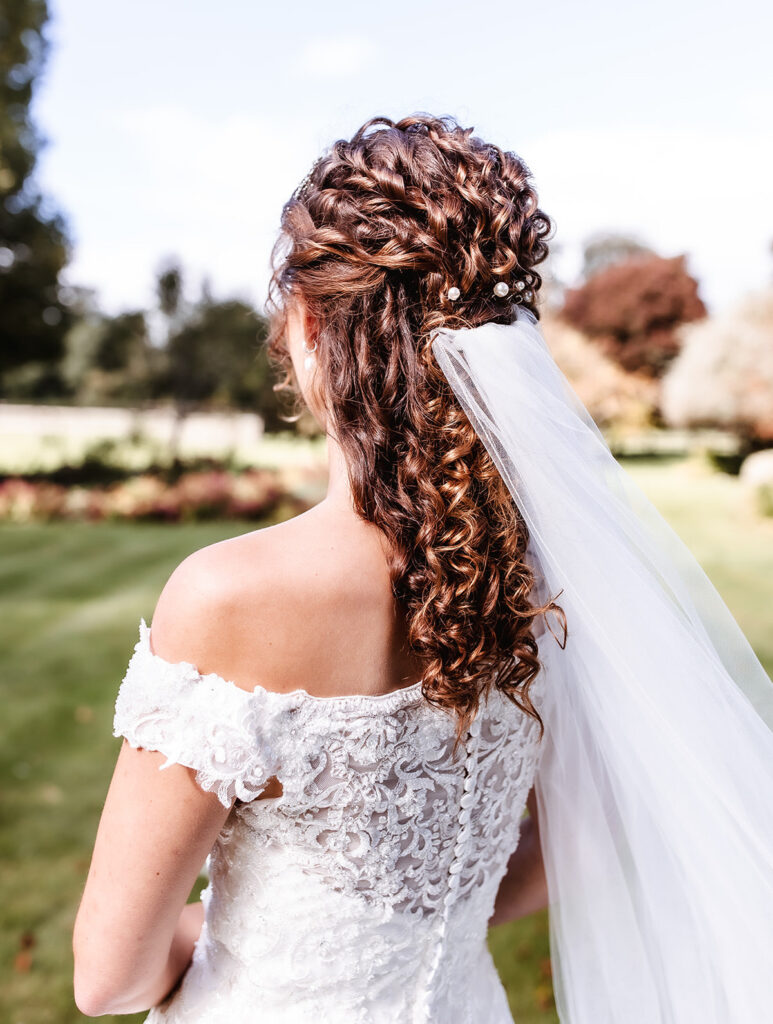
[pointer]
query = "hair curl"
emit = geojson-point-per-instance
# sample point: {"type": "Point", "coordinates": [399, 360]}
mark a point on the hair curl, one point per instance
{"type": "Point", "coordinates": [372, 239]}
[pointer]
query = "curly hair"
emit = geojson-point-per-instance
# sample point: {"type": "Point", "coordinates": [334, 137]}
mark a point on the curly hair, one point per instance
{"type": "Point", "coordinates": [371, 240]}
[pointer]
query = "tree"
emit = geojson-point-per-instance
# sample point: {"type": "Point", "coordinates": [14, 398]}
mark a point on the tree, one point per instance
{"type": "Point", "coordinates": [125, 365]}
{"type": "Point", "coordinates": [33, 239]}
{"type": "Point", "coordinates": [169, 290]}
{"type": "Point", "coordinates": [608, 248]}
{"type": "Point", "coordinates": [217, 357]}
{"type": "Point", "coordinates": [122, 337]}
{"type": "Point", "coordinates": [633, 309]}
{"type": "Point", "coordinates": [723, 376]}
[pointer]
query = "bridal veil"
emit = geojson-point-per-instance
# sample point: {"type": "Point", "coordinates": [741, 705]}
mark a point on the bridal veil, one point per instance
{"type": "Point", "coordinates": [654, 788]}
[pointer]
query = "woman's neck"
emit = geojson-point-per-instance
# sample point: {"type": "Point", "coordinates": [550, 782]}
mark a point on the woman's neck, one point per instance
{"type": "Point", "coordinates": [338, 490]}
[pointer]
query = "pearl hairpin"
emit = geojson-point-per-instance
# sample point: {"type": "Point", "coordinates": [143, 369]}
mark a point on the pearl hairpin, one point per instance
{"type": "Point", "coordinates": [501, 290]}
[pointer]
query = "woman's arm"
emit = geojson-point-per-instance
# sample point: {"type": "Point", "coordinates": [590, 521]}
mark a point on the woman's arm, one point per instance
{"type": "Point", "coordinates": [184, 939]}
{"type": "Point", "coordinates": [523, 889]}
{"type": "Point", "coordinates": [134, 935]}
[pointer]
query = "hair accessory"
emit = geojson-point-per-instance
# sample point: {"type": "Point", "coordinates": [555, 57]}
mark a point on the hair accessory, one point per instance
{"type": "Point", "coordinates": [501, 289]}
{"type": "Point", "coordinates": [453, 294]}
{"type": "Point", "coordinates": [309, 361]}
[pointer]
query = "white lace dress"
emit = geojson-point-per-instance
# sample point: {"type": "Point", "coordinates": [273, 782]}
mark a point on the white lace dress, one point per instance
{"type": "Point", "coordinates": [362, 894]}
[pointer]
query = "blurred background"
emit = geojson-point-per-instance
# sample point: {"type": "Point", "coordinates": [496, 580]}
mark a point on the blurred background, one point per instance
{"type": "Point", "coordinates": [145, 153]}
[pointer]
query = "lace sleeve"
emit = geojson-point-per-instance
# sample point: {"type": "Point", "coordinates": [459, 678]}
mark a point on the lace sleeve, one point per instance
{"type": "Point", "coordinates": [227, 734]}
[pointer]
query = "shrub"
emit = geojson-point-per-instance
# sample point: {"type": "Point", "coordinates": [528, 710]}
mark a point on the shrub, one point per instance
{"type": "Point", "coordinates": [633, 309]}
{"type": "Point", "coordinates": [22, 501]}
{"type": "Point", "coordinates": [251, 494]}
{"type": "Point", "coordinates": [723, 377]}
{"type": "Point", "coordinates": [613, 397]}
{"type": "Point", "coordinates": [757, 475]}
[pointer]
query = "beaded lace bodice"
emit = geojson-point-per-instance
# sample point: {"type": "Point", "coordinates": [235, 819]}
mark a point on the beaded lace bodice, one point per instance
{"type": "Point", "coordinates": [362, 893]}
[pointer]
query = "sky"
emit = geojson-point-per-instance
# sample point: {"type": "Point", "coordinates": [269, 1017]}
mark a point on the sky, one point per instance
{"type": "Point", "coordinates": [180, 128]}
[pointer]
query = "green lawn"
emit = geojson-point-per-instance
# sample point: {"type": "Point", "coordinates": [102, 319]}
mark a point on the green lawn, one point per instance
{"type": "Point", "coordinates": [73, 596]}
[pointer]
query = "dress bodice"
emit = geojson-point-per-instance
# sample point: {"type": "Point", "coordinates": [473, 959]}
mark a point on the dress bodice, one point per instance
{"type": "Point", "coordinates": [361, 894]}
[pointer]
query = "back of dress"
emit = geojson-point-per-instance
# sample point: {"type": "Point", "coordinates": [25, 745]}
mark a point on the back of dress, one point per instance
{"type": "Point", "coordinates": [361, 894]}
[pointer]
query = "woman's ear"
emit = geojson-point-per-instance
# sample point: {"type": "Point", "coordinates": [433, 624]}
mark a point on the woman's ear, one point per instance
{"type": "Point", "coordinates": [310, 327]}
{"type": "Point", "coordinates": [303, 334]}
{"type": "Point", "coordinates": [303, 328]}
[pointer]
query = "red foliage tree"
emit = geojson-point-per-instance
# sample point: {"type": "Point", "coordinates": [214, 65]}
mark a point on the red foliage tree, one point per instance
{"type": "Point", "coordinates": [632, 310]}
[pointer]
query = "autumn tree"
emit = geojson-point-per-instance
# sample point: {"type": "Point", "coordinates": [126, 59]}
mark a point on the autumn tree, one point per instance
{"type": "Point", "coordinates": [632, 310]}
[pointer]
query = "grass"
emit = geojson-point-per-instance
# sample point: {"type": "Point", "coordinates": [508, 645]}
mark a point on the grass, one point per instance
{"type": "Point", "coordinates": [73, 597]}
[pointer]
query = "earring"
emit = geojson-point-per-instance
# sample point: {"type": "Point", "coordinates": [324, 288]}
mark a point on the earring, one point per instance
{"type": "Point", "coordinates": [309, 361]}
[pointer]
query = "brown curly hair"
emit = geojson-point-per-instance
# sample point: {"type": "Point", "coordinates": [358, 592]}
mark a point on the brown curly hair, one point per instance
{"type": "Point", "coordinates": [371, 240]}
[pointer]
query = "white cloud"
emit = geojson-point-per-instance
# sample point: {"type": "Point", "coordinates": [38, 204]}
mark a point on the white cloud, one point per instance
{"type": "Point", "coordinates": [334, 56]}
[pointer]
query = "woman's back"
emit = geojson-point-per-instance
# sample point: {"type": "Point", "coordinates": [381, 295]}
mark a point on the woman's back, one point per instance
{"type": "Point", "coordinates": [305, 603]}
{"type": "Point", "coordinates": [360, 888]}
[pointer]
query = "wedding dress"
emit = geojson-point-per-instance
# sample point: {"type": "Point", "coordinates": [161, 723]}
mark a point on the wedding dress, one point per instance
{"type": "Point", "coordinates": [362, 894]}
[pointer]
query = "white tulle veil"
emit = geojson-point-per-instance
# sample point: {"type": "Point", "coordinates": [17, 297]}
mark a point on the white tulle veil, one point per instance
{"type": "Point", "coordinates": [654, 785]}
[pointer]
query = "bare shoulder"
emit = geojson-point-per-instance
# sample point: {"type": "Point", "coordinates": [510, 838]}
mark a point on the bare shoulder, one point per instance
{"type": "Point", "coordinates": [255, 608]}
{"type": "Point", "coordinates": [196, 612]}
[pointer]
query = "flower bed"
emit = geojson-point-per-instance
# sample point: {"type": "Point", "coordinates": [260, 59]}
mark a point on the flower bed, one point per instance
{"type": "Point", "coordinates": [250, 494]}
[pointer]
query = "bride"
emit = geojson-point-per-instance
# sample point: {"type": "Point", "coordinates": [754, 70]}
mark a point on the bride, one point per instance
{"type": "Point", "coordinates": [353, 710]}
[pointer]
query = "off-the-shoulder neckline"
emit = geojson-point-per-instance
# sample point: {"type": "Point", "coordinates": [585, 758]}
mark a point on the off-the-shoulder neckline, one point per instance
{"type": "Point", "coordinates": [406, 694]}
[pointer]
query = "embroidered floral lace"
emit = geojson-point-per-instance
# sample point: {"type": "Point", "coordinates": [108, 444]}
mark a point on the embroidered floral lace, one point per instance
{"type": "Point", "coordinates": [362, 894]}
